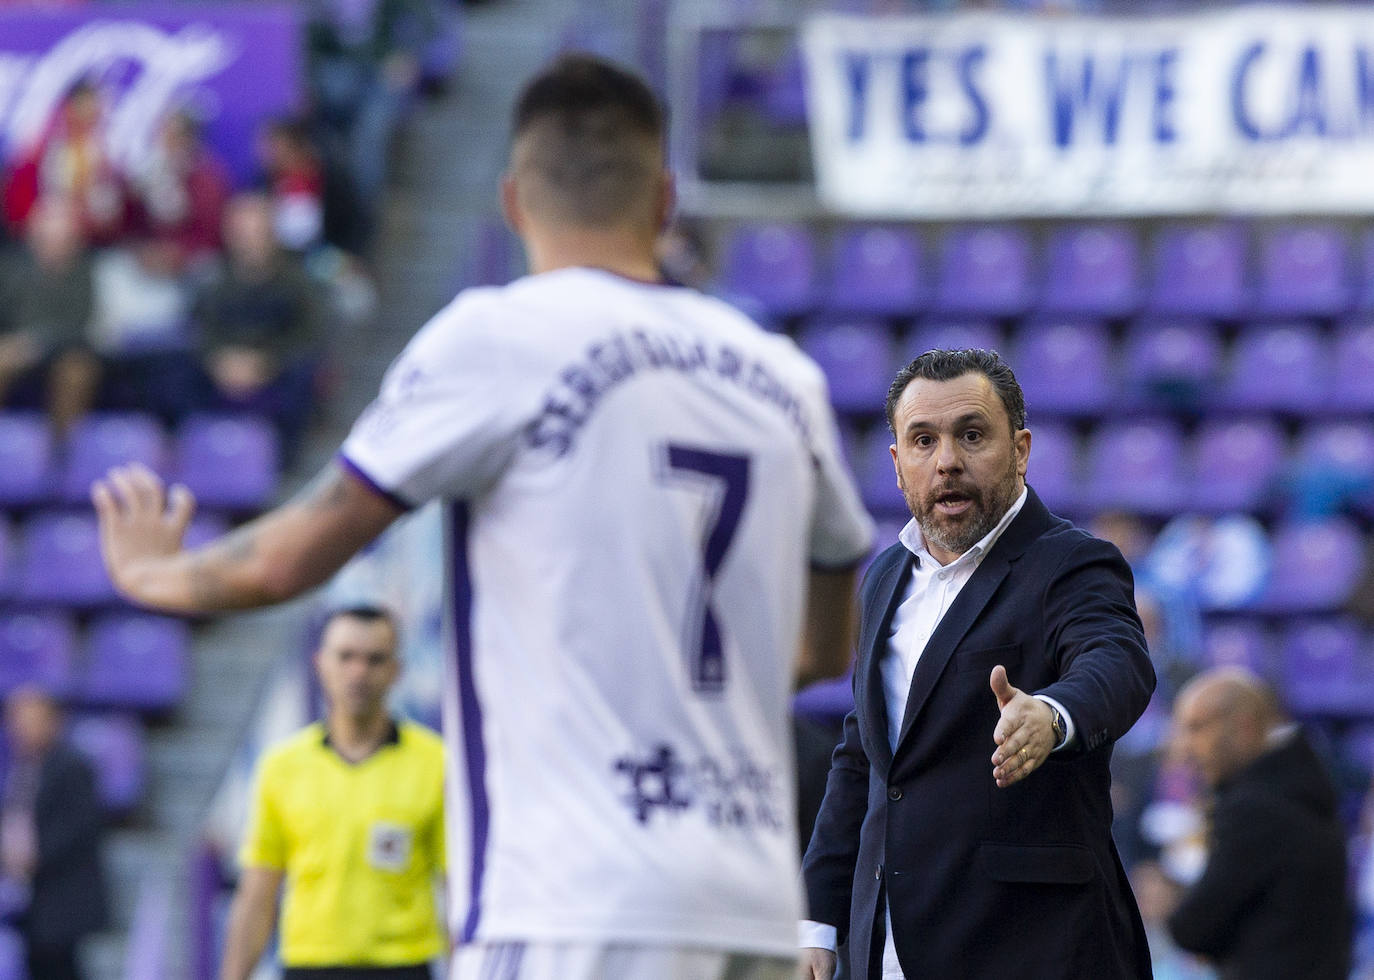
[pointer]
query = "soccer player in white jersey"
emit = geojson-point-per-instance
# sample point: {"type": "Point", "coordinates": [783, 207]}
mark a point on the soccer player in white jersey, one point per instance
{"type": "Point", "coordinates": [651, 539]}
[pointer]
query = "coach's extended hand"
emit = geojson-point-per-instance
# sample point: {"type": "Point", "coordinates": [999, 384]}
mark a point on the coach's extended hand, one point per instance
{"type": "Point", "coordinates": [1025, 733]}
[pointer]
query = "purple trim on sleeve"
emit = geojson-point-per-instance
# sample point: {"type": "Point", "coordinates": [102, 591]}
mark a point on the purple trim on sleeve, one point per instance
{"type": "Point", "coordinates": [359, 474]}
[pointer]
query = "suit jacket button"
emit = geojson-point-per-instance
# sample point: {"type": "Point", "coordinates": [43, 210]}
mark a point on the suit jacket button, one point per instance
{"type": "Point", "coordinates": [878, 873]}
{"type": "Point", "coordinates": [894, 793]}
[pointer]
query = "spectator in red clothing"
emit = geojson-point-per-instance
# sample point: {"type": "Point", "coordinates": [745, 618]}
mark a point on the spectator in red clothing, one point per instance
{"type": "Point", "coordinates": [183, 188]}
{"type": "Point", "coordinates": [295, 181]}
{"type": "Point", "coordinates": [70, 161]}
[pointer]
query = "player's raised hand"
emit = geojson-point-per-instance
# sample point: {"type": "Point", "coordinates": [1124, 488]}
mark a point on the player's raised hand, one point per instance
{"type": "Point", "coordinates": [140, 522]}
{"type": "Point", "coordinates": [817, 964]}
{"type": "Point", "coordinates": [1024, 734]}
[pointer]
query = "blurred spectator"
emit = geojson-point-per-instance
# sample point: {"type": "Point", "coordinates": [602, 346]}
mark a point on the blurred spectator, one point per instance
{"type": "Point", "coordinates": [46, 300]}
{"type": "Point", "coordinates": [365, 59]}
{"type": "Point", "coordinates": [295, 180]}
{"type": "Point", "coordinates": [183, 187]}
{"type": "Point", "coordinates": [70, 161]}
{"type": "Point", "coordinates": [259, 333]}
{"type": "Point", "coordinates": [1271, 900]}
{"type": "Point", "coordinates": [50, 829]}
{"type": "Point", "coordinates": [140, 299]}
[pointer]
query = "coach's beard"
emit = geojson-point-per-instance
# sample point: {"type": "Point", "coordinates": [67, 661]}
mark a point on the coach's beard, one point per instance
{"type": "Point", "coordinates": [957, 533]}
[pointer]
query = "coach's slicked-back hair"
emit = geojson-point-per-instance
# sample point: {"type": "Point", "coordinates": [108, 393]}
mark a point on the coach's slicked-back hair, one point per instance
{"type": "Point", "coordinates": [946, 365]}
{"type": "Point", "coordinates": [592, 134]}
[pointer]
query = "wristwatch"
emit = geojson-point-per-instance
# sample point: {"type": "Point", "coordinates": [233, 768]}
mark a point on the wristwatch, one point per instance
{"type": "Point", "coordinates": [1057, 723]}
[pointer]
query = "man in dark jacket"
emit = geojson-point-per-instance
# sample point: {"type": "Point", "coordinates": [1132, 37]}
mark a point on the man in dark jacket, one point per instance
{"type": "Point", "coordinates": [50, 829]}
{"type": "Point", "coordinates": [1272, 900]}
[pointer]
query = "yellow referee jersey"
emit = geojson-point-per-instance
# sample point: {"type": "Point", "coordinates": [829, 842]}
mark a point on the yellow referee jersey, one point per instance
{"type": "Point", "coordinates": [361, 845]}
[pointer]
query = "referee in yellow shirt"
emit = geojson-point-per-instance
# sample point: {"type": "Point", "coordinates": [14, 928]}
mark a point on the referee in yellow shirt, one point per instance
{"type": "Point", "coordinates": [348, 813]}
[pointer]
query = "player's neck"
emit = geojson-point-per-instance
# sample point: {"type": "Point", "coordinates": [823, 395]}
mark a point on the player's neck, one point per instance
{"type": "Point", "coordinates": [621, 251]}
{"type": "Point", "coordinates": [357, 737]}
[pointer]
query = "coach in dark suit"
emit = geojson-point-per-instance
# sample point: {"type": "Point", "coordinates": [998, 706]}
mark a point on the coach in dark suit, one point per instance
{"type": "Point", "coordinates": [51, 829]}
{"type": "Point", "coordinates": [1271, 902]}
{"type": "Point", "coordinates": [1000, 656]}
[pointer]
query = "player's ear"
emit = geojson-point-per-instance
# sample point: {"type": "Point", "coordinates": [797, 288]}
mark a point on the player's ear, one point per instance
{"type": "Point", "coordinates": [510, 203]}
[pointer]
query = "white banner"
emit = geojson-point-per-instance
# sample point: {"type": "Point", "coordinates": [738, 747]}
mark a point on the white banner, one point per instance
{"type": "Point", "coordinates": [1262, 110]}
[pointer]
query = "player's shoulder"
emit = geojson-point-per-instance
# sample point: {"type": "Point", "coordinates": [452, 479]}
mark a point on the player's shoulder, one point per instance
{"type": "Point", "coordinates": [420, 739]}
{"type": "Point", "coordinates": [296, 749]}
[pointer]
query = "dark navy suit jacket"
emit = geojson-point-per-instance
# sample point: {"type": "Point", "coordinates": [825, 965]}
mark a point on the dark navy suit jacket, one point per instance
{"type": "Point", "coordinates": [982, 880]}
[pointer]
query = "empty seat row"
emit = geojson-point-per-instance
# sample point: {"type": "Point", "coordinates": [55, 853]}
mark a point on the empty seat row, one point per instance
{"type": "Point", "coordinates": [53, 559]}
{"type": "Point", "coordinates": [1149, 465]}
{"type": "Point", "coordinates": [130, 661]}
{"type": "Point", "coordinates": [230, 462]}
{"type": "Point", "coordinates": [1097, 269]}
{"type": "Point", "coordinates": [1076, 367]}
{"type": "Point", "coordinates": [1323, 666]}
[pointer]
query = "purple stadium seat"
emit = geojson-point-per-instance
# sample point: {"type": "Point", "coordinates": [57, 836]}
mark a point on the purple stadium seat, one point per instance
{"type": "Point", "coordinates": [772, 265]}
{"type": "Point", "coordinates": [6, 557]}
{"type": "Point", "coordinates": [1279, 367]}
{"type": "Point", "coordinates": [826, 701]}
{"type": "Point", "coordinates": [952, 335]}
{"type": "Point", "coordinates": [135, 661]}
{"type": "Point", "coordinates": [1171, 363]}
{"type": "Point", "coordinates": [876, 271]}
{"type": "Point", "coordinates": [1334, 465]}
{"type": "Point", "coordinates": [1324, 671]}
{"type": "Point", "coordinates": [114, 744]}
{"type": "Point", "coordinates": [1239, 643]}
{"type": "Point", "coordinates": [1065, 367]}
{"type": "Point", "coordinates": [784, 96]}
{"type": "Point", "coordinates": [1093, 270]}
{"type": "Point", "coordinates": [856, 358]}
{"type": "Point", "coordinates": [1053, 467]}
{"type": "Point", "coordinates": [985, 270]}
{"type": "Point", "coordinates": [60, 563]}
{"type": "Point", "coordinates": [1236, 464]}
{"type": "Point", "coordinates": [1304, 270]}
{"type": "Point", "coordinates": [36, 648]}
{"type": "Point", "coordinates": [1316, 565]}
{"type": "Point", "coordinates": [875, 475]}
{"type": "Point", "coordinates": [1364, 272]}
{"type": "Point", "coordinates": [1352, 376]}
{"type": "Point", "coordinates": [1199, 270]}
{"type": "Point", "coordinates": [102, 440]}
{"type": "Point", "coordinates": [230, 462]}
{"type": "Point", "coordinates": [12, 955]}
{"type": "Point", "coordinates": [1136, 466]}
{"type": "Point", "coordinates": [26, 459]}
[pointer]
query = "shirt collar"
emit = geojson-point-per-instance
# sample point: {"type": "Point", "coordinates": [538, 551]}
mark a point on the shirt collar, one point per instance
{"type": "Point", "coordinates": [392, 736]}
{"type": "Point", "coordinates": [915, 541]}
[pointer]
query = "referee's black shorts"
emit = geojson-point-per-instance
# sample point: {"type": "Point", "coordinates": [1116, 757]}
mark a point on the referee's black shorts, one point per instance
{"type": "Point", "coordinates": [420, 971]}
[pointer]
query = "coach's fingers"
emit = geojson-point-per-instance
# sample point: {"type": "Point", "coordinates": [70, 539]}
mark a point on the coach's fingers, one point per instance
{"type": "Point", "coordinates": [817, 963]}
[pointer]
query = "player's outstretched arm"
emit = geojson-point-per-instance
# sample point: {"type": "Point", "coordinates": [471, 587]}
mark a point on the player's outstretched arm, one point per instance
{"type": "Point", "coordinates": [831, 626]}
{"type": "Point", "coordinates": [281, 554]}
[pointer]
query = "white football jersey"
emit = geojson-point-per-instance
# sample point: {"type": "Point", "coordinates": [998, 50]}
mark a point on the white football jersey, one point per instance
{"type": "Point", "coordinates": [637, 477]}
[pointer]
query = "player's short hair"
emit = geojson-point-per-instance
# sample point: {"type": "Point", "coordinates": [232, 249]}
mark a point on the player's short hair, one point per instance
{"type": "Point", "coordinates": [592, 133]}
{"type": "Point", "coordinates": [365, 612]}
{"type": "Point", "coordinates": [946, 365]}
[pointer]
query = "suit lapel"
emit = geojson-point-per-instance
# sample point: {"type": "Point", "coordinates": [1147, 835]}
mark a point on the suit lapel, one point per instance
{"type": "Point", "coordinates": [1029, 524]}
{"type": "Point", "coordinates": [886, 596]}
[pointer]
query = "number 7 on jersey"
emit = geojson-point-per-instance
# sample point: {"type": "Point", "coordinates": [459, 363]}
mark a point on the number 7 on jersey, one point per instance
{"type": "Point", "coordinates": [704, 644]}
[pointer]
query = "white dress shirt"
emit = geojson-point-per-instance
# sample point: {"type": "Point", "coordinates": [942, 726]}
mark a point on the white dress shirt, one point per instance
{"type": "Point", "coordinates": [931, 591]}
